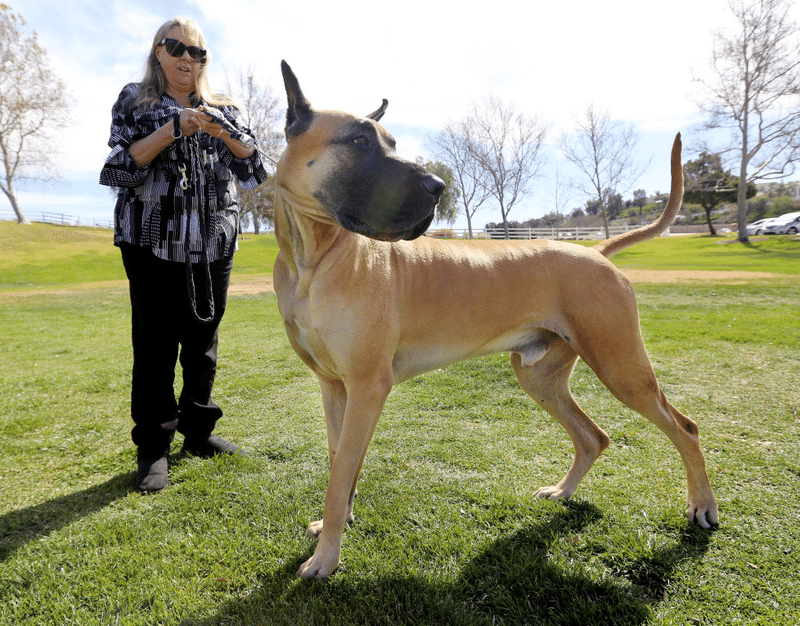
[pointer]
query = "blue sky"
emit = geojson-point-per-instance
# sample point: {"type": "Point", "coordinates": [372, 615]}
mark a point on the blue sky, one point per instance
{"type": "Point", "coordinates": [430, 59]}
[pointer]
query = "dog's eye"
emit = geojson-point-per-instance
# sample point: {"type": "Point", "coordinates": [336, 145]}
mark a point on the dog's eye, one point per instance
{"type": "Point", "coordinates": [361, 140]}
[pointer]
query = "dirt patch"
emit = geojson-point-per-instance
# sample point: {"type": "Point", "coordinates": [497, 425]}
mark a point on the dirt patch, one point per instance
{"type": "Point", "coordinates": [263, 284]}
{"type": "Point", "coordinates": [734, 240]}
{"type": "Point", "coordinates": [253, 285]}
{"type": "Point", "coordinates": [104, 285]}
{"type": "Point", "coordinates": [249, 285]}
{"type": "Point", "coordinates": [239, 286]}
{"type": "Point", "coordinates": [678, 276]}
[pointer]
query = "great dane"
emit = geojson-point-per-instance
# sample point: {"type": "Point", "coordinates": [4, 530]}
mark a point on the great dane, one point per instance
{"type": "Point", "coordinates": [367, 304]}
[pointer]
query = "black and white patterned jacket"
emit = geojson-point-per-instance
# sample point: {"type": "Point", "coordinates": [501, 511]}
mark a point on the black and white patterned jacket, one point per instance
{"type": "Point", "coordinates": [152, 209]}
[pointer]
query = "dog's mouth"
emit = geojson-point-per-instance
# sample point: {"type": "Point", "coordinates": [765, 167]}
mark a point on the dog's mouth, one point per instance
{"type": "Point", "coordinates": [359, 226]}
{"type": "Point", "coordinates": [420, 228]}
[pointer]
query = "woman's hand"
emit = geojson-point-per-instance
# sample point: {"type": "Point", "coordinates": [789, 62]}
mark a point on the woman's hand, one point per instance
{"type": "Point", "coordinates": [198, 119]}
{"type": "Point", "coordinates": [204, 121]}
{"type": "Point", "coordinates": [146, 149]}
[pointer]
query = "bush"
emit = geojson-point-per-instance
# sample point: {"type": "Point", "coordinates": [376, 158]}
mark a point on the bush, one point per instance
{"type": "Point", "coordinates": [784, 204]}
{"type": "Point", "coordinates": [442, 233]}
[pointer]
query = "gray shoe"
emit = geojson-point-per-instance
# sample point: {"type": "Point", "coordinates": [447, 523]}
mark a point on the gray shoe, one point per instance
{"type": "Point", "coordinates": [152, 473]}
{"type": "Point", "coordinates": [211, 446]}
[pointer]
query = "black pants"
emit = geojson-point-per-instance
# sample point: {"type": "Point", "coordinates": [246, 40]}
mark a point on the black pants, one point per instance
{"type": "Point", "coordinates": [163, 323]}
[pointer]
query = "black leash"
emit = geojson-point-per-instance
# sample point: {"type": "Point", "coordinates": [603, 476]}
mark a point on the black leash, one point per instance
{"type": "Point", "coordinates": [193, 164]}
{"type": "Point", "coordinates": [197, 160]}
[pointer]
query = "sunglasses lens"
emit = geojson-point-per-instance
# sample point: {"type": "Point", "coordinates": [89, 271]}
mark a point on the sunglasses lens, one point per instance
{"type": "Point", "coordinates": [176, 48]}
{"type": "Point", "coordinates": [197, 53]}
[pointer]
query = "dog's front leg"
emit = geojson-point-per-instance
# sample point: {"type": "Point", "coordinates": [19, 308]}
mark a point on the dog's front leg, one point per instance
{"type": "Point", "coordinates": [334, 401]}
{"type": "Point", "coordinates": [363, 408]}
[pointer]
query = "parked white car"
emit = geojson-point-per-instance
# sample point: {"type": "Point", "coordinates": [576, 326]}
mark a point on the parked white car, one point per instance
{"type": "Point", "coordinates": [757, 227]}
{"type": "Point", "coordinates": [788, 223]}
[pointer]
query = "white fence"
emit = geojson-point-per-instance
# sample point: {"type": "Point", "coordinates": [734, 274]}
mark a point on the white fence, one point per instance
{"type": "Point", "coordinates": [58, 218]}
{"type": "Point", "coordinates": [573, 233]}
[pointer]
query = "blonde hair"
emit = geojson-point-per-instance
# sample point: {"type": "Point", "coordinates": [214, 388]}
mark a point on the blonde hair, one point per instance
{"type": "Point", "coordinates": [154, 82]}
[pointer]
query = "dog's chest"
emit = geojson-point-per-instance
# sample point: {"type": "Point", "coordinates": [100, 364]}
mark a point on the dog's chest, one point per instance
{"type": "Point", "coordinates": [307, 339]}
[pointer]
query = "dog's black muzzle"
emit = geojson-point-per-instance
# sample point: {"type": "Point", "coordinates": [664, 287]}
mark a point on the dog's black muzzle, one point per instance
{"type": "Point", "coordinates": [393, 218]}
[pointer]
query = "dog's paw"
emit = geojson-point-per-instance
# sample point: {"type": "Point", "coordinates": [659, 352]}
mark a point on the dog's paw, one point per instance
{"type": "Point", "coordinates": [552, 493]}
{"type": "Point", "coordinates": [319, 566]}
{"type": "Point", "coordinates": [314, 529]}
{"type": "Point", "coordinates": [705, 515]}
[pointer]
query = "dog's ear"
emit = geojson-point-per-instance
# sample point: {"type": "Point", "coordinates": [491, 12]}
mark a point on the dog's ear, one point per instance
{"type": "Point", "coordinates": [298, 111]}
{"type": "Point", "coordinates": [377, 115]}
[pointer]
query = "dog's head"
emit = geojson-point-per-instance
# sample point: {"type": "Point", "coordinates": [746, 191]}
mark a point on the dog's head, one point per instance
{"type": "Point", "coordinates": [350, 167]}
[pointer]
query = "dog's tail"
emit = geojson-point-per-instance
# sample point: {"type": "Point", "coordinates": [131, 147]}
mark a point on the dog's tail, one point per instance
{"type": "Point", "coordinates": [615, 244]}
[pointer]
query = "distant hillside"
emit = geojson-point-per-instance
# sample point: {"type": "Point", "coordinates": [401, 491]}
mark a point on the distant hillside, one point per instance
{"type": "Point", "coordinates": [34, 255]}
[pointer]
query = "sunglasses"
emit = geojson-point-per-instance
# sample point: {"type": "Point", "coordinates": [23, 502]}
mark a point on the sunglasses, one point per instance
{"type": "Point", "coordinates": [176, 48]}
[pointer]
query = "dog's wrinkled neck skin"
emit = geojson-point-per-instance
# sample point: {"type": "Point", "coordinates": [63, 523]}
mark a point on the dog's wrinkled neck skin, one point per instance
{"type": "Point", "coordinates": [303, 239]}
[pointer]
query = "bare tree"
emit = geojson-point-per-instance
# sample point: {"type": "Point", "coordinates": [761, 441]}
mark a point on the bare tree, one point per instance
{"type": "Point", "coordinates": [508, 146]}
{"type": "Point", "coordinates": [261, 113]}
{"type": "Point", "coordinates": [604, 152]}
{"type": "Point", "coordinates": [451, 146]}
{"type": "Point", "coordinates": [33, 104]}
{"type": "Point", "coordinates": [755, 85]}
{"type": "Point", "coordinates": [561, 196]}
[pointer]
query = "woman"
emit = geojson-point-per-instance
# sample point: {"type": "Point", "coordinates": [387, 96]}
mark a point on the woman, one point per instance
{"type": "Point", "coordinates": [176, 221]}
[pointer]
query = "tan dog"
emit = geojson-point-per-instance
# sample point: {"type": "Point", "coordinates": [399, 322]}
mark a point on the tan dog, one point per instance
{"type": "Point", "coordinates": [367, 312]}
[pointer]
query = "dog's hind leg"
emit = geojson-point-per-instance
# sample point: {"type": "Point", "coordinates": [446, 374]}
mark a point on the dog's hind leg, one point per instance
{"type": "Point", "coordinates": [624, 367]}
{"type": "Point", "coordinates": [682, 431]}
{"type": "Point", "coordinates": [639, 390]}
{"type": "Point", "coordinates": [547, 382]}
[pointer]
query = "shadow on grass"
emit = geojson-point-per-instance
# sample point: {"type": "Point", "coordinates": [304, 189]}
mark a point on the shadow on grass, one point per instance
{"type": "Point", "coordinates": [512, 582]}
{"type": "Point", "coordinates": [29, 524]}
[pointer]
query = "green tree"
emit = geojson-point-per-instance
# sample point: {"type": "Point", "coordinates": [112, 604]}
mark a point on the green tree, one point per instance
{"type": "Point", "coordinates": [758, 208]}
{"type": "Point", "coordinates": [33, 105]}
{"type": "Point", "coordinates": [615, 205]}
{"type": "Point", "coordinates": [708, 185]}
{"type": "Point", "coordinates": [447, 208]}
{"type": "Point", "coordinates": [639, 199]}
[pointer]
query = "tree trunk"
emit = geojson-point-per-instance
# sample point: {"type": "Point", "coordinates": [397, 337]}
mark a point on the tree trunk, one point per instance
{"type": "Point", "coordinates": [741, 196]}
{"type": "Point", "coordinates": [708, 221]}
{"type": "Point", "coordinates": [605, 219]}
{"type": "Point", "coordinates": [741, 202]}
{"type": "Point", "coordinates": [12, 198]}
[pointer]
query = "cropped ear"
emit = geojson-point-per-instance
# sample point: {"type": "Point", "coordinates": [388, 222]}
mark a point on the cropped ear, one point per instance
{"type": "Point", "coordinates": [298, 111]}
{"type": "Point", "coordinates": [377, 115]}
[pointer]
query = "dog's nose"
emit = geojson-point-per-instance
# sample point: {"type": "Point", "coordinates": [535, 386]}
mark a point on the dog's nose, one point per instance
{"type": "Point", "coordinates": [433, 185]}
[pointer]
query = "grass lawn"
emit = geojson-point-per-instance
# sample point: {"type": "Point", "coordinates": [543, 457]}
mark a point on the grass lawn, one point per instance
{"type": "Point", "coordinates": [446, 531]}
